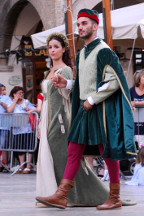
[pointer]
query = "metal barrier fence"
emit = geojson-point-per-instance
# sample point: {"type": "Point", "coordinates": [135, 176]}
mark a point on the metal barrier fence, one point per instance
{"type": "Point", "coordinates": [138, 114]}
{"type": "Point", "coordinates": [128, 165]}
{"type": "Point", "coordinates": [18, 133]}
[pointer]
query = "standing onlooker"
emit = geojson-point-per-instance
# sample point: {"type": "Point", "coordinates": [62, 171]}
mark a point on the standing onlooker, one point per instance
{"type": "Point", "coordinates": [39, 104]}
{"type": "Point", "coordinates": [4, 132]}
{"type": "Point", "coordinates": [38, 110]}
{"type": "Point", "coordinates": [22, 134]}
{"type": "Point", "coordinates": [137, 97]}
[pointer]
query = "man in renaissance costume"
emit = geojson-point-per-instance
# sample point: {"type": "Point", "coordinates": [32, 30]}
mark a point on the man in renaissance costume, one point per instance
{"type": "Point", "coordinates": [102, 122]}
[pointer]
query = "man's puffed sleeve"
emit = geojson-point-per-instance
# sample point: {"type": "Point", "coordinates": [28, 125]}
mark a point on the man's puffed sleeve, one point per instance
{"type": "Point", "coordinates": [110, 85]}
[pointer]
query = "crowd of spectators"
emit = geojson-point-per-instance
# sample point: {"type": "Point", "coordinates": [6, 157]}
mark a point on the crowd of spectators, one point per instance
{"type": "Point", "coordinates": [22, 136]}
{"type": "Point", "coordinates": [15, 103]}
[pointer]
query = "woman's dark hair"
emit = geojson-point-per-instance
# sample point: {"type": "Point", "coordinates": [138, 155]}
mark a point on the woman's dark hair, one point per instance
{"type": "Point", "coordinates": [66, 55]}
{"type": "Point", "coordinates": [140, 156]}
{"type": "Point", "coordinates": [15, 90]}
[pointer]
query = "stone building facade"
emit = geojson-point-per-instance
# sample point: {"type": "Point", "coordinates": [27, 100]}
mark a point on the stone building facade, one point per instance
{"type": "Point", "coordinates": [22, 18]}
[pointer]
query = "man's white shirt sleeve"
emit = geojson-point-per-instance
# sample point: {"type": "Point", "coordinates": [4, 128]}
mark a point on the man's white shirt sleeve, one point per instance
{"type": "Point", "coordinates": [90, 100]}
{"type": "Point", "coordinates": [69, 84]}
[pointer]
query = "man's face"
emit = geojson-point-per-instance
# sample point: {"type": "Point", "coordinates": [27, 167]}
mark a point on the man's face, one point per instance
{"type": "Point", "coordinates": [85, 27]}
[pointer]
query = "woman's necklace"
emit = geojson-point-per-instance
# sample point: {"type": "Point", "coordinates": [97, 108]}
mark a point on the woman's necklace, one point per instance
{"type": "Point", "coordinates": [139, 91]}
{"type": "Point", "coordinates": [52, 71]}
{"type": "Point", "coordinates": [50, 74]}
{"type": "Point", "coordinates": [58, 67]}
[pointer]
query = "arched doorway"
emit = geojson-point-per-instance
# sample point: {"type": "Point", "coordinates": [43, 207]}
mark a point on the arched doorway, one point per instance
{"type": "Point", "coordinates": [33, 67]}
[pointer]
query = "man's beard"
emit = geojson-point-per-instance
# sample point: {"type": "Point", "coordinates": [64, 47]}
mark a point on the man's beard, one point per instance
{"type": "Point", "coordinates": [88, 35]}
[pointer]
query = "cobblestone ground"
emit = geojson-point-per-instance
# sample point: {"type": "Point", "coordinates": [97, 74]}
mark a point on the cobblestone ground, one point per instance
{"type": "Point", "coordinates": [17, 198]}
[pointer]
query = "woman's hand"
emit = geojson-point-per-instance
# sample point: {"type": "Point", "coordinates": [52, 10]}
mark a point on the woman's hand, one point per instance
{"type": "Point", "coordinates": [16, 97]}
{"type": "Point", "coordinates": [29, 111]}
{"type": "Point", "coordinates": [10, 109]}
{"type": "Point", "coordinates": [38, 133]}
{"type": "Point", "coordinates": [133, 104]}
{"type": "Point", "coordinates": [26, 109]}
{"type": "Point", "coordinates": [59, 81]}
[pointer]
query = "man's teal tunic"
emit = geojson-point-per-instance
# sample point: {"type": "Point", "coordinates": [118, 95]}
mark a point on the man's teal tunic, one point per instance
{"type": "Point", "coordinates": [110, 121]}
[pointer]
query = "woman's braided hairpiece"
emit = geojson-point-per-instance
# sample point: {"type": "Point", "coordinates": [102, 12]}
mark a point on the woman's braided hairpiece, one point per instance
{"type": "Point", "coordinates": [63, 37]}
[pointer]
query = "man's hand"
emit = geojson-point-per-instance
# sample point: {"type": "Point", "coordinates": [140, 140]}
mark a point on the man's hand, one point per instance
{"type": "Point", "coordinates": [87, 105]}
{"type": "Point", "coordinates": [59, 81]}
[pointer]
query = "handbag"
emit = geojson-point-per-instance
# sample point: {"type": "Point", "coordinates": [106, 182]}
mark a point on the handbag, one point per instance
{"type": "Point", "coordinates": [32, 120]}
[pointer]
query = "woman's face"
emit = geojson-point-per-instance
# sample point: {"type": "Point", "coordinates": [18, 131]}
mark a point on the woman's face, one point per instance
{"type": "Point", "coordinates": [55, 50]}
{"type": "Point", "coordinates": [142, 80]}
{"type": "Point", "coordinates": [19, 95]}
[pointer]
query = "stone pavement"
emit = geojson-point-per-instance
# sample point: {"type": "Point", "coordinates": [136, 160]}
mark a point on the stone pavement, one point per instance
{"type": "Point", "coordinates": [17, 198]}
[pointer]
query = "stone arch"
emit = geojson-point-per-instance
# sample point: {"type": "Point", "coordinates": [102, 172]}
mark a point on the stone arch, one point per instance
{"type": "Point", "coordinates": [10, 20]}
{"type": "Point", "coordinates": [50, 13]}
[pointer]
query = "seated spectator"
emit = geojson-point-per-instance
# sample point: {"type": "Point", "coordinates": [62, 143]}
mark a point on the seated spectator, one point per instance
{"type": "Point", "coordinates": [22, 134]}
{"type": "Point", "coordinates": [138, 176]}
{"type": "Point", "coordinates": [4, 131]}
{"type": "Point", "coordinates": [38, 110]}
{"type": "Point", "coordinates": [137, 97]}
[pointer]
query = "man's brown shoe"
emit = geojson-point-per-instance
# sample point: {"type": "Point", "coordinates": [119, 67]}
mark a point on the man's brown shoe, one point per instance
{"type": "Point", "coordinates": [59, 199]}
{"type": "Point", "coordinates": [113, 200]}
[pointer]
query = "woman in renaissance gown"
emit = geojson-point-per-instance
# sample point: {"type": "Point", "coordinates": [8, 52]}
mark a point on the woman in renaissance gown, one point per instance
{"type": "Point", "coordinates": [53, 130]}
